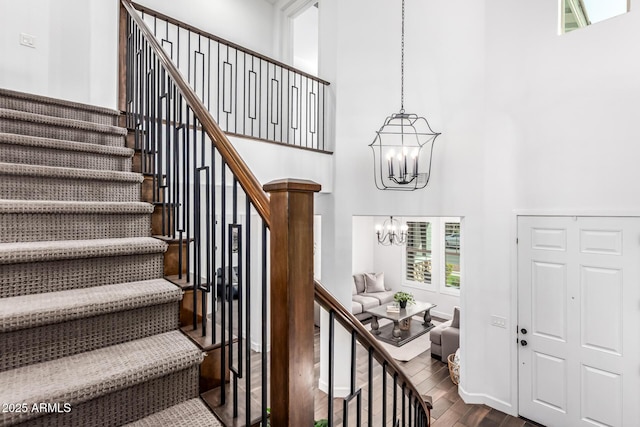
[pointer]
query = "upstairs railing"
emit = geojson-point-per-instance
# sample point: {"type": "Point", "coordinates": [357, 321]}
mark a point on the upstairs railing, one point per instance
{"type": "Point", "coordinates": [248, 94]}
{"type": "Point", "coordinates": [246, 256]}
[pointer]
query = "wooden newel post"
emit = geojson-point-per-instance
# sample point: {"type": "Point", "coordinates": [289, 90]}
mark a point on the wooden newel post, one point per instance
{"type": "Point", "coordinates": [291, 234]}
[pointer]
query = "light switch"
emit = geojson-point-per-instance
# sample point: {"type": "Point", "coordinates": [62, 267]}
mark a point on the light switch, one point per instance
{"type": "Point", "coordinates": [498, 321]}
{"type": "Point", "coordinates": [27, 40]}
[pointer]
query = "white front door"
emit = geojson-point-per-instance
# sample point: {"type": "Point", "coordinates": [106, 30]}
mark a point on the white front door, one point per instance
{"type": "Point", "coordinates": [579, 320]}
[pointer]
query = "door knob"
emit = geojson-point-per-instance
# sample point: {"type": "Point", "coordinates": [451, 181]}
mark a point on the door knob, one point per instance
{"type": "Point", "coordinates": [524, 331]}
{"type": "Point", "coordinates": [523, 343]}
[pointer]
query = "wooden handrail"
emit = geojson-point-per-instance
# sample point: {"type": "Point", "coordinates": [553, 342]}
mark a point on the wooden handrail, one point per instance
{"type": "Point", "coordinates": [350, 322]}
{"type": "Point", "coordinates": [238, 167]}
{"type": "Point", "coordinates": [203, 33]}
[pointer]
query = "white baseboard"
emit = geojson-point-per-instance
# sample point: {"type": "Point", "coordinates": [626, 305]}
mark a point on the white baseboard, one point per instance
{"type": "Point", "coordinates": [485, 399]}
{"type": "Point", "coordinates": [337, 391]}
{"type": "Point", "coordinates": [441, 314]}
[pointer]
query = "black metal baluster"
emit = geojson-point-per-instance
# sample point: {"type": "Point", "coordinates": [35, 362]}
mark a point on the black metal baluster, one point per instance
{"type": "Point", "coordinates": [208, 79]}
{"type": "Point", "coordinates": [331, 373]}
{"type": "Point", "coordinates": [214, 243]}
{"type": "Point", "coordinates": [299, 112]}
{"type": "Point", "coordinates": [245, 96]}
{"type": "Point", "coordinates": [259, 76]}
{"type": "Point", "coordinates": [235, 100]}
{"type": "Point", "coordinates": [234, 229]}
{"type": "Point", "coordinates": [247, 285]}
{"type": "Point", "coordinates": [223, 297]}
{"type": "Point", "coordinates": [370, 390]}
{"type": "Point", "coordinates": [395, 398]}
{"type": "Point", "coordinates": [324, 112]}
{"type": "Point", "coordinates": [197, 255]}
{"type": "Point", "coordinates": [280, 104]}
{"type": "Point", "coordinates": [207, 287]}
{"type": "Point", "coordinates": [264, 326]}
{"type": "Point", "coordinates": [306, 103]}
{"type": "Point", "coordinates": [187, 203]}
{"type": "Point", "coordinates": [384, 393]}
{"type": "Point", "coordinates": [268, 105]}
{"type": "Point", "coordinates": [403, 405]}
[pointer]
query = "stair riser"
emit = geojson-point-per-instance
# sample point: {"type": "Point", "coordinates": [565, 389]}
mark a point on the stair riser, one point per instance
{"type": "Point", "coordinates": [17, 187]}
{"type": "Point", "coordinates": [142, 164]}
{"type": "Point", "coordinates": [60, 158]}
{"type": "Point", "coordinates": [60, 132]}
{"type": "Point", "coordinates": [45, 227]}
{"type": "Point", "coordinates": [65, 112]}
{"type": "Point", "coordinates": [52, 276]}
{"type": "Point", "coordinates": [50, 342]}
{"type": "Point", "coordinates": [128, 405]}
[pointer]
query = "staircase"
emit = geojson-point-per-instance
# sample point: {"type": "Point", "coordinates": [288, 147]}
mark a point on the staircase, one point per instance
{"type": "Point", "coordinates": [88, 325]}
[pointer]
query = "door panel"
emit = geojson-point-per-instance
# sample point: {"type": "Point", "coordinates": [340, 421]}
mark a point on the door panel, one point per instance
{"type": "Point", "coordinates": [550, 381]}
{"type": "Point", "coordinates": [579, 307]}
{"type": "Point", "coordinates": [599, 386]}
{"type": "Point", "coordinates": [601, 287]}
{"type": "Point", "coordinates": [549, 293]}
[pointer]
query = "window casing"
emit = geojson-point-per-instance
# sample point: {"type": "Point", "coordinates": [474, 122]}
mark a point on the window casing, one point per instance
{"type": "Point", "coordinates": [431, 259]}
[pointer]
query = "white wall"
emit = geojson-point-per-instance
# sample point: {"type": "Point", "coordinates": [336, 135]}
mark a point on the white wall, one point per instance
{"type": "Point", "coordinates": [362, 247]}
{"type": "Point", "coordinates": [530, 120]}
{"type": "Point", "coordinates": [305, 40]}
{"type": "Point", "coordinates": [76, 41]}
{"type": "Point", "coordinates": [248, 23]}
{"type": "Point", "coordinates": [273, 161]}
{"type": "Point", "coordinates": [75, 54]}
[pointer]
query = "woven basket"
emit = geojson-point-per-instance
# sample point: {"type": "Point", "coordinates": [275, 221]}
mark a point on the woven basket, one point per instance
{"type": "Point", "coordinates": [454, 369]}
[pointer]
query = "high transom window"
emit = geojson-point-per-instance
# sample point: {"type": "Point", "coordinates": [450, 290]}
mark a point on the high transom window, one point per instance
{"type": "Point", "coordinates": [576, 14]}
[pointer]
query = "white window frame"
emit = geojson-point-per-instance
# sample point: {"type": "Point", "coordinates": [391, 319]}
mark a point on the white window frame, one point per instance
{"type": "Point", "coordinates": [444, 289]}
{"type": "Point", "coordinates": [438, 259]}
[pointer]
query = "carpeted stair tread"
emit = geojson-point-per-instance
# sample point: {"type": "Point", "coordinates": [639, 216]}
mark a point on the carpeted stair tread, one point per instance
{"type": "Point", "coordinates": [74, 207]}
{"type": "Point", "coordinates": [37, 150]}
{"type": "Point", "coordinates": [30, 252]}
{"type": "Point", "coordinates": [190, 413]}
{"type": "Point", "coordinates": [86, 376]}
{"type": "Point", "coordinates": [57, 102]}
{"type": "Point", "coordinates": [6, 114]}
{"type": "Point", "coordinates": [59, 144]}
{"type": "Point", "coordinates": [30, 311]}
{"type": "Point", "coordinates": [69, 173]}
{"type": "Point", "coordinates": [43, 220]}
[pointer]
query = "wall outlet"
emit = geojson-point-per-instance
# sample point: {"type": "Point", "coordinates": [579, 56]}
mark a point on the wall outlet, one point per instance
{"type": "Point", "coordinates": [498, 321]}
{"type": "Point", "coordinates": [28, 40]}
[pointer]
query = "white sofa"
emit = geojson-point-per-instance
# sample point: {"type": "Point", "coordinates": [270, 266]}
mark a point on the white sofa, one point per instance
{"type": "Point", "coordinates": [368, 291]}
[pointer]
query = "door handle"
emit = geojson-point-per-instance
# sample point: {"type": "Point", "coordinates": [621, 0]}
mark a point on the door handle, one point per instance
{"type": "Point", "coordinates": [523, 331]}
{"type": "Point", "coordinates": [523, 343]}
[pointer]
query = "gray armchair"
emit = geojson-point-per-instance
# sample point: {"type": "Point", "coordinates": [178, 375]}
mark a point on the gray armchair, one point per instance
{"type": "Point", "coordinates": [445, 338]}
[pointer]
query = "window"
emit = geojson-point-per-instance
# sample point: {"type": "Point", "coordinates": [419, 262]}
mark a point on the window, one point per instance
{"type": "Point", "coordinates": [452, 254]}
{"type": "Point", "coordinates": [432, 255]}
{"type": "Point", "coordinates": [576, 14]}
{"type": "Point", "coordinates": [418, 252]}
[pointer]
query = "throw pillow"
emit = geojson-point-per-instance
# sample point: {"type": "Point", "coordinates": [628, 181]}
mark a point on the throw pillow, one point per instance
{"type": "Point", "coordinates": [374, 282]}
{"type": "Point", "coordinates": [455, 322]}
{"type": "Point", "coordinates": [354, 289]}
{"type": "Point", "coordinates": [358, 280]}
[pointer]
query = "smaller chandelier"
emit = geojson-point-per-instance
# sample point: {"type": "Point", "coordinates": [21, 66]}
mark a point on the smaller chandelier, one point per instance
{"type": "Point", "coordinates": [403, 147]}
{"type": "Point", "coordinates": [391, 233]}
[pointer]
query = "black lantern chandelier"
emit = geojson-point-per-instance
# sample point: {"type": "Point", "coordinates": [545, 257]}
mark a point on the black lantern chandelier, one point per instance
{"type": "Point", "coordinates": [403, 147]}
{"type": "Point", "coordinates": [391, 233]}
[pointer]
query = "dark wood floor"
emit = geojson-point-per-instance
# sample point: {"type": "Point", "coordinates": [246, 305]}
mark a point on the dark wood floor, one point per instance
{"type": "Point", "coordinates": [431, 377]}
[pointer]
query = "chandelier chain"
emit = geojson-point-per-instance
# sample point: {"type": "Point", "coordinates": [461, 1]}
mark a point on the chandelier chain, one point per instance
{"type": "Point", "coordinates": [402, 64]}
